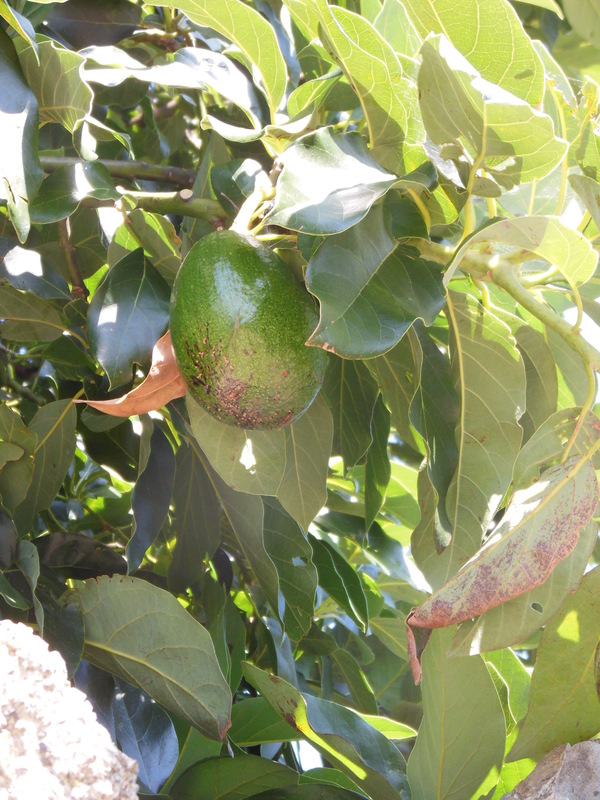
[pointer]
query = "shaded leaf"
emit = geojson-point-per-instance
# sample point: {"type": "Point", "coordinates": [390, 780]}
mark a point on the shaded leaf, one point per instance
{"type": "Point", "coordinates": [341, 581]}
{"type": "Point", "coordinates": [24, 317]}
{"type": "Point", "coordinates": [54, 425]}
{"type": "Point", "coordinates": [82, 24]}
{"type": "Point", "coordinates": [540, 374]}
{"type": "Point", "coordinates": [565, 672]}
{"type": "Point", "coordinates": [156, 234]}
{"type": "Point", "coordinates": [255, 721]}
{"type": "Point", "coordinates": [338, 733]}
{"type": "Point", "coordinates": [358, 685]}
{"type": "Point", "coordinates": [75, 555]}
{"type": "Point", "coordinates": [442, 764]}
{"type": "Point", "coordinates": [377, 465]}
{"type": "Point", "coordinates": [29, 564]}
{"type": "Point", "coordinates": [143, 634]}
{"type": "Point", "coordinates": [370, 289]}
{"type": "Point", "coordinates": [196, 520]}
{"type": "Point", "coordinates": [232, 778]}
{"type": "Point", "coordinates": [328, 183]}
{"type": "Point", "coordinates": [8, 539]}
{"type": "Point", "coordinates": [144, 732]}
{"type": "Point", "coordinates": [128, 314]}
{"type": "Point", "coordinates": [15, 475]}
{"type": "Point", "coordinates": [162, 384]}
{"type": "Point", "coordinates": [20, 169]}
{"type": "Point", "coordinates": [312, 791]}
{"type": "Point", "coordinates": [539, 529]}
{"type": "Point", "coordinates": [151, 495]}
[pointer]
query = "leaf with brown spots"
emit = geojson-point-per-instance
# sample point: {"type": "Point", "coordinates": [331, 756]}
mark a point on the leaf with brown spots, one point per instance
{"type": "Point", "coordinates": [162, 384]}
{"type": "Point", "coordinates": [539, 529]}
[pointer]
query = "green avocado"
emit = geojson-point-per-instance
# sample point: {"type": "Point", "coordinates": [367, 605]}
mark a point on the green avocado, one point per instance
{"type": "Point", "coordinates": [239, 322]}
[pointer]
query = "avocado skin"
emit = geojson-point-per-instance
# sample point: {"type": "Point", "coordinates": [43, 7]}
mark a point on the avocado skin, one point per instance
{"type": "Point", "coordinates": [239, 322]}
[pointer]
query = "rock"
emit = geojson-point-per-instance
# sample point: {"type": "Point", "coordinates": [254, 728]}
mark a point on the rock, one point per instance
{"type": "Point", "coordinates": [566, 773]}
{"type": "Point", "coordinates": [52, 745]}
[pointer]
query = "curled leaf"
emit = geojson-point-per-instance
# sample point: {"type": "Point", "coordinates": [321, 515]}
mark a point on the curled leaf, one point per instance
{"type": "Point", "coordinates": [162, 384]}
{"type": "Point", "coordinates": [539, 529]}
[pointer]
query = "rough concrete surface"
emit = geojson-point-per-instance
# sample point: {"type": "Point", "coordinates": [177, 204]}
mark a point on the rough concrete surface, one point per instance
{"type": "Point", "coordinates": [51, 745]}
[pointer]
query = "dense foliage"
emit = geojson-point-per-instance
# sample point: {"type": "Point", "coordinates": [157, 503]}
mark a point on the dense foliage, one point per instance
{"type": "Point", "coordinates": [431, 170]}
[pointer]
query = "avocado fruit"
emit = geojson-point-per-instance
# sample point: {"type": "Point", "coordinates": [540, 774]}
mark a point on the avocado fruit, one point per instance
{"type": "Point", "coordinates": [239, 323]}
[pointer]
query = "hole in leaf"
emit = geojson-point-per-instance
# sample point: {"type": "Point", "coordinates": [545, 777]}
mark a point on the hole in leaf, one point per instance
{"type": "Point", "coordinates": [537, 607]}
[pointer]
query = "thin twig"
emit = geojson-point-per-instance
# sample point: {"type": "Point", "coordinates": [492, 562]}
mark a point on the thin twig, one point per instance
{"type": "Point", "coordinates": [79, 289]}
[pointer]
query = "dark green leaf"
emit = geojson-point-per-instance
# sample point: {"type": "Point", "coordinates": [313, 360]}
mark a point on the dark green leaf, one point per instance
{"type": "Point", "coordinates": [328, 183]}
{"type": "Point", "coordinates": [254, 721]}
{"type": "Point", "coordinates": [145, 732]}
{"type": "Point", "coordinates": [127, 316]}
{"type": "Point", "coordinates": [8, 539]}
{"type": "Point", "coordinates": [152, 493]}
{"type": "Point", "coordinates": [377, 466]}
{"type": "Point", "coordinates": [20, 168]}
{"type": "Point", "coordinates": [156, 234]}
{"type": "Point", "coordinates": [24, 317]}
{"type": "Point", "coordinates": [340, 580]}
{"type": "Point", "coordinates": [312, 791]}
{"type": "Point", "coordinates": [62, 191]}
{"type": "Point", "coordinates": [29, 271]}
{"type": "Point", "coordinates": [82, 24]}
{"type": "Point", "coordinates": [371, 289]}
{"type": "Point", "coordinates": [15, 475]}
{"type": "Point", "coordinates": [232, 778]}
{"type": "Point", "coordinates": [143, 634]}
{"type": "Point", "coordinates": [233, 182]}
{"type": "Point", "coordinates": [54, 425]}
{"type": "Point", "coordinates": [196, 518]}
{"type": "Point", "coordinates": [350, 391]}
{"type": "Point", "coordinates": [358, 686]}
{"type": "Point", "coordinates": [63, 629]}
{"type": "Point", "coordinates": [29, 564]}
{"type": "Point", "coordinates": [74, 555]}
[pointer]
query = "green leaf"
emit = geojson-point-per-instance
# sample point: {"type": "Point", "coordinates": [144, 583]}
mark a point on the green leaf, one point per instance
{"type": "Point", "coordinates": [314, 91]}
{"type": "Point", "coordinates": [515, 66]}
{"type": "Point", "coordinates": [489, 380]}
{"type": "Point", "coordinates": [29, 564]}
{"type": "Point", "coordinates": [584, 17]}
{"type": "Point", "coordinates": [127, 316]}
{"type": "Point", "coordinates": [564, 671]}
{"type": "Point", "coordinates": [339, 734]}
{"type": "Point", "coordinates": [312, 791]}
{"type": "Point", "coordinates": [350, 391]}
{"type": "Point", "coordinates": [291, 553]}
{"type": "Point", "coordinates": [377, 465]}
{"type": "Point", "coordinates": [358, 685]}
{"type": "Point", "coordinates": [254, 721]}
{"type": "Point", "coordinates": [62, 191]}
{"type": "Point", "coordinates": [29, 271]}
{"type": "Point", "coordinates": [54, 426]}
{"type": "Point", "coordinates": [391, 632]}
{"type": "Point", "coordinates": [232, 778]}
{"type": "Point", "coordinates": [196, 518]}
{"type": "Point", "coordinates": [15, 475]}
{"type": "Point", "coordinates": [341, 581]}
{"type": "Point", "coordinates": [394, 24]}
{"type": "Point", "coordinates": [24, 317]}
{"type": "Point", "coordinates": [499, 131]}
{"type": "Point", "coordinates": [328, 183]}
{"type": "Point", "coordinates": [370, 289]}
{"type": "Point", "coordinates": [19, 23]}
{"type": "Point", "coordinates": [302, 491]}
{"type": "Point", "coordinates": [156, 234]}
{"type": "Point", "coordinates": [540, 374]}
{"type": "Point", "coordinates": [145, 636]}
{"type": "Point", "coordinates": [387, 94]}
{"type": "Point", "coordinates": [61, 93]}
{"type": "Point", "coordinates": [247, 29]}
{"type": "Point", "coordinates": [445, 763]}
{"type": "Point", "coordinates": [20, 170]}
{"type": "Point", "coordinates": [81, 24]}
{"type": "Point", "coordinates": [547, 237]}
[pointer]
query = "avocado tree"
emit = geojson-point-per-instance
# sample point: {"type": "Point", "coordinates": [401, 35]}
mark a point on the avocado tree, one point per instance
{"type": "Point", "coordinates": [394, 594]}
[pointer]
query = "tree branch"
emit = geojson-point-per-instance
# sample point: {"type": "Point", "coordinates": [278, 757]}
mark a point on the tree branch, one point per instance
{"type": "Point", "coordinates": [128, 169]}
{"type": "Point", "coordinates": [182, 202]}
{"type": "Point", "coordinates": [79, 289]}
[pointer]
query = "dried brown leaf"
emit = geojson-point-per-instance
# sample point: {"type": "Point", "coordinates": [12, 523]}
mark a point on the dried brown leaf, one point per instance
{"type": "Point", "coordinates": [164, 382]}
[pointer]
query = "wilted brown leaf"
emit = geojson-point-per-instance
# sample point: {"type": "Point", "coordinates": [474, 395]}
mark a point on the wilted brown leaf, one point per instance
{"type": "Point", "coordinates": [539, 529]}
{"type": "Point", "coordinates": [163, 383]}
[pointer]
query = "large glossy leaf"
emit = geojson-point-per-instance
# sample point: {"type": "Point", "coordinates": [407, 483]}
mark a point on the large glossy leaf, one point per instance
{"type": "Point", "coordinates": [196, 518]}
{"type": "Point", "coordinates": [54, 425]}
{"type": "Point", "coordinates": [547, 237]}
{"type": "Point", "coordinates": [63, 190]}
{"type": "Point", "coordinates": [444, 763]}
{"type": "Point", "coordinates": [128, 314]}
{"type": "Point", "coordinates": [20, 170]}
{"type": "Point", "coordinates": [339, 734]}
{"type": "Point", "coordinates": [247, 29]}
{"type": "Point", "coordinates": [144, 635]}
{"type": "Point", "coordinates": [564, 672]}
{"type": "Point", "coordinates": [387, 94]}
{"type": "Point", "coordinates": [151, 495]}
{"type": "Point", "coordinates": [25, 317]}
{"type": "Point", "coordinates": [515, 67]}
{"type": "Point", "coordinates": [539, 529]}
{"type": "Point", "coordinates": [341, 581]}
{"type": "Point", "coordinates": [328, 183]}
{"type": "Point", "coordinates": [145, 732]}
{"type": "Point", "coordinates": [508, 137]}
{"type": "Point", "coordinates": [27, 270]}
{"type": "Point", "coordinates": [350, 391]}
{"type": "Point", "coordinates": [370, 289]}
{"type": "Point", "coordinates": [291, 553]}
{"type": "Point", "coordinates": [489, 381]}
{"type": "Point", "coordinates": [63, 96]}
{"type": "Point", "coordinates": [232, 778]}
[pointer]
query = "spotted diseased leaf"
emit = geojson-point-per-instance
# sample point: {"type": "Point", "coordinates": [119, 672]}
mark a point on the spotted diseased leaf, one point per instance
{"type": "Point", "coordinates": [539, 529]}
